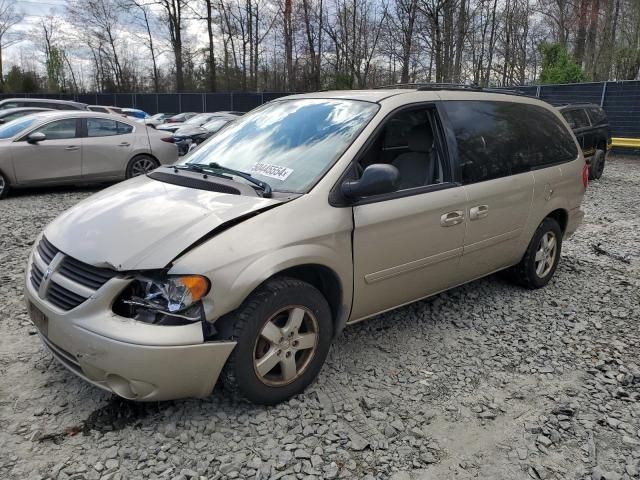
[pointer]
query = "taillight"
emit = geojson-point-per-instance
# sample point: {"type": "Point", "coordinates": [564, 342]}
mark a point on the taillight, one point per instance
{"type": "Point", "coordinates": [585, 175]}
{"type": "Point", "coordinates": [168, 139]}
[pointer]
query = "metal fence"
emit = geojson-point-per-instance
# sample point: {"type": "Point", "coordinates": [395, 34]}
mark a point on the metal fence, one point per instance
{"type": "Point", "coordinates": [621, 101]}
{"type": "Point", "coordinates": [167, 102]}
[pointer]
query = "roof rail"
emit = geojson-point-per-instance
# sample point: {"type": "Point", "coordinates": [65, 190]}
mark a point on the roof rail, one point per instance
{"type": "Point", "coordinates": [427, 86]}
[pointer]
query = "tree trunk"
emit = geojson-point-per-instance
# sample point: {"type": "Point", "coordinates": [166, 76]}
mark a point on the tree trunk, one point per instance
{"type": "Point", "coordinates": [581, 36]}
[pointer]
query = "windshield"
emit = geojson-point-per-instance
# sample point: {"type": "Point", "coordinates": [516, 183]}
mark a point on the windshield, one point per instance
{"type": "Point", "coordinates": [14, 127]}
{"type": "Point", "coordinates": [289, 144]}
{"type": "Point", "coordinates": [215, 125]}
{"type": "Point", "coordinates": [157, 116]}
{"type": "Point", "coordinates": [199, 119]}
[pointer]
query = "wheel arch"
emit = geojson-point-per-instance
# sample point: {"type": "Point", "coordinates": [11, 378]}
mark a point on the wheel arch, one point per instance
{"type": "Point", "coordinates": [322, 277]}
{"type": "Point", "coordinates": [561, 216]}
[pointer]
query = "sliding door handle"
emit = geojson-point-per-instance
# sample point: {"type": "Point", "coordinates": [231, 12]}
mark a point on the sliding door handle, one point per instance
{"type": "Point", "coordinates": [479, 211]}
{"type": "Point", "coordinates": [452, 218]}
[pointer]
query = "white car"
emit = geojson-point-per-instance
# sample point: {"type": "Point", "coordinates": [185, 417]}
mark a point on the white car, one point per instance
{"type": "Point", "coordinates": [69, 147]}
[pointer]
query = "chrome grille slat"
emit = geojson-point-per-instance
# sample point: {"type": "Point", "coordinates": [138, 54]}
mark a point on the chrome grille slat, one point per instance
{"type": "Point", "coordinates": [72, 281]}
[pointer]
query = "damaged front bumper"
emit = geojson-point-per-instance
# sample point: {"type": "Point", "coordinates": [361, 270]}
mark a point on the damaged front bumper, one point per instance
{"type": "Point", "coordinates": [132, 359]}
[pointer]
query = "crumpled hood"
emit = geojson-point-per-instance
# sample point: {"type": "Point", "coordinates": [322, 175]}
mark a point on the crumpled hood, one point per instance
{"type": "Point", "coordinates": [143, 223]}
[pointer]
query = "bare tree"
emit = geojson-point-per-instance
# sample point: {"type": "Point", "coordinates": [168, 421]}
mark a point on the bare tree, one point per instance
{"type": "Point", "coordinates": [9, 18]}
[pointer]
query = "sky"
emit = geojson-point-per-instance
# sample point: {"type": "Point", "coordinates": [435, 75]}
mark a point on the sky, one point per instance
{"type": "Point", "coordinates": [32, 10]}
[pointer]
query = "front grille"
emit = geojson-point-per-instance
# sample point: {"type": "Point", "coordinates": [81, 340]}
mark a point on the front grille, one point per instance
{"type": "Point", "coordinates": [76, 273]}
{"type": "Point", "coordinates": [87, 275]}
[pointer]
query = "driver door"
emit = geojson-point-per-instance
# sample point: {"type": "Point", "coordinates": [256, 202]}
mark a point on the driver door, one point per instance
{"type": "Point", "coordinates": [58, 158]}
{"type": "Point", "coordinates": [408, 244]}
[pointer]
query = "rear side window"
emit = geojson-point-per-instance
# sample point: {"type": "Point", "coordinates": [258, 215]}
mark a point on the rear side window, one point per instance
{"type": "Point", "coordinates": [497, 139]}
{"type": "Point", "coordinates": [104, 127]}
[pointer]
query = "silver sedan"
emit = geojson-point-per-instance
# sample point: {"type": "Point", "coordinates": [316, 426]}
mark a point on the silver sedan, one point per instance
{"type": "Point", "coordinates": [66, 147]}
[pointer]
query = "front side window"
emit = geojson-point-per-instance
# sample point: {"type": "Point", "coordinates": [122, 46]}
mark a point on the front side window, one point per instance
{"type": "Point", "coordinates": [4, 106]}
{"type": "Point", "coordinates": [597, 115]}
{"type": "Point", "coordinates": [408, 142]}
{"type": "Point", "coordinates": [289, 144]}
{"type": "Point", "coordinates": [104, 127]}
{"type": "Point", "coordinates": [60, 129]}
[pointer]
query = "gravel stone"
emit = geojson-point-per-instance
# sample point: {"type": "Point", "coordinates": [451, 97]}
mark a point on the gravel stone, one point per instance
{"type": "Point", "coordinates": [487, 380]}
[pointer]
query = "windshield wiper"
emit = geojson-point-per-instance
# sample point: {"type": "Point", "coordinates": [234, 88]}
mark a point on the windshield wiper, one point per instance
{"type": "Point", "coordinates": [266, 188]}
{"type": "Point", "coordinates": [219, 171]}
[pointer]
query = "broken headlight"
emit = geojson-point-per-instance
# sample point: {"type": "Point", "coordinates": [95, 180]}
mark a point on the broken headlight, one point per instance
{"type": "Point", "coordinates": [167, 300]}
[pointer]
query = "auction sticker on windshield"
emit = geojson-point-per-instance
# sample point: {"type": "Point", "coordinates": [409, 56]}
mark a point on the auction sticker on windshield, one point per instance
{"type": "Point", "coordinates": [272, 171]}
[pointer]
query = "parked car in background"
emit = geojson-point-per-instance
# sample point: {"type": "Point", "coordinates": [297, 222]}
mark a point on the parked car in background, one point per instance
{"type": "Point", "coordinates": [54, 148]}
{"type": "Point", "coordinates": [188, 137]}
{"type": "Point", "coordinates": [135, 113]}
{"type": "Point", "coordinates": [105, 109]}
{"type": "Point", "coordinates": [158, 119]}
{"type": "Point", "coordinates": [9, 114]}
{"type": "Point", "coordinates": [311, 212]}
{"type": "Point", "coordinates": [42, 103]}
{"type": "Point", "coordinates": [590, 125]}
{"type": "Point", "coordinates": [181, 117]}
{"type": "Point", "coordinates": [195, 121]}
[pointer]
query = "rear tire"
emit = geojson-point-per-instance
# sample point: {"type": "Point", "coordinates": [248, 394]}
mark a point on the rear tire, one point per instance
{"type": "Point", "coordinates": [541, 259]}
{"type": "Point", "coordinates": [4, 186]}
{"type": "Point", "coordinates": [141, 165]}
{"type": "Point", "coordinates": [283, 332]}
{"type": "Point", "coordinates": [597, 165]}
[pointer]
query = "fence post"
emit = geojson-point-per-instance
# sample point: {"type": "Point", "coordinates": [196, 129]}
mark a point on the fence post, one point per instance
{"type": "Point", "coordinates": [604, 92]}
{"type": "Point", "coordinates": [204, 102]}
{"type": "Point", "coordinates": [231, 102]}
{"type": "Point", "coordinates": [179, 103]}
{"type": "Point", "coordinates": [538, 92]}
{"type": "Point", "coordinates": [157, 103]}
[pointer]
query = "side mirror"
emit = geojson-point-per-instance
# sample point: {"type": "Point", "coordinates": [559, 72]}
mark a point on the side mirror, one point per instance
{"type": "Point", "coordinates": [36, 137]}
{"type": "Point", "coordinates": [376, 179]}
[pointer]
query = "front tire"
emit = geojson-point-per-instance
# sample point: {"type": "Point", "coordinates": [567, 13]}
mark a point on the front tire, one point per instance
{"type": "Point", "coordinates": [4, 186]}
{"type": "Point", "coordinates": [541, 259]}
{"type": "Point", "coordinates": [283, 332]}
{"type": "Point", "coordinates": [141, 165]}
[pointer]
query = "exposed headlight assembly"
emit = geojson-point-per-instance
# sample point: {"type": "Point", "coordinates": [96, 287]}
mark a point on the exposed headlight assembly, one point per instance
{"type": "Point", "coordinates": [166, 300]}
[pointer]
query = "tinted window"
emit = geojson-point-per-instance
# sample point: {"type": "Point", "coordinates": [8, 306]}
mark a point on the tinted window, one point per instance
{"type": "Point", "coordinates": [491, 137]}
{"type": "Point", "coordinates": [59, 129]}
{"type": "Point", "coordinates": [104, 127]}
{"type": "Point", "coordinates": [10, 105]}
{"type": "Point", "coordinates": [98, 109]}
{"type": "Point", "coordinates": [549, 140]}
{"type": "Point", "coordinates": [496, 139]}
{"type": "Point", "coordinates": [597, 115]}
{"type": "Point", "coordinates": [576, 118]}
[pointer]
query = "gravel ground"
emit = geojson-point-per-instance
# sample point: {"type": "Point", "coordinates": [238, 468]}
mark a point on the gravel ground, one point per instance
{"type": "Point", "coordinates": [485, 381]}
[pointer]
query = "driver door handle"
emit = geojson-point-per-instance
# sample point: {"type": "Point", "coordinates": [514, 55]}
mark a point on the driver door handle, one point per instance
{"type": "Point", "coordinates": [124, 144]}
{"type": "Point", "coordinates": [452, 218]}
{"type": "Point", "coordinates": [478, 212]}
{"type": "Point", "coordinates": [72, 148]}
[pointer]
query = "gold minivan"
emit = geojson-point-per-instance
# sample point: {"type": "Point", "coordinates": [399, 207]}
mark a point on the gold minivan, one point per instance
{"type": "Point", "coordinates": [246, 259]}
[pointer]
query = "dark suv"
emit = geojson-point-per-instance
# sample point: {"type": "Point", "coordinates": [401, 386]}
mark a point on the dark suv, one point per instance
{"type": "Point", "coordinates": [590, 124]}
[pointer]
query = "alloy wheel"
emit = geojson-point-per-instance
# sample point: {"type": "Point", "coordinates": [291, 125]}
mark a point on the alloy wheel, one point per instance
{"type": "Point", "coordinates": [286, 345]}
{"type": "Point", "coordinates": [142, 166]}
{"type": "Point", "coordinates": [546, 254]}
{"type": "Point", "coordinates": [3, 185]}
